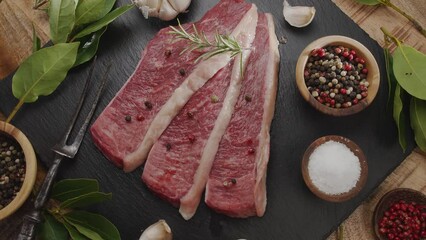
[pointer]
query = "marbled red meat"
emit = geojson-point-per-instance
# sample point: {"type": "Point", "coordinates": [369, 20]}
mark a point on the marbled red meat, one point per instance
{"type": "Point", "coordinates": [174, 158]}
{"type": "Point", "coordinates": [156, 77]}
{"type": "Point", "coordinates": [237, 181]}
{"type": "Point", "coordinates": [178, 165]}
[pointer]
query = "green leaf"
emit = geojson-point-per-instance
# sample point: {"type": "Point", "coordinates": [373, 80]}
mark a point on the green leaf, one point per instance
{"type": "Point", "coordinates": [88, 11]}
{"type": "Point", "coordinates": [75, 235]}
{"type": "Point", "coordinates": [93, 226]}
{"type": "Point", "coordinates": [390, 76]}
{"type": "Point", "coordinates": [399, 116]}
{"type": "Point", "coordinates": [43, 71]}
{"type": "Point", "coordinates": [36, 41]}
{"type": "Point", "coordinates": [103, 21]}
{"type": "Point", "coordinates": [88, 46]}
{"type": "Point", "coordinates": [71, 188]}
{"type": "Point", "coordinates": [51, 229]}
{"type": "Point", "coordinates": [61, 19]}
{"type": "Point", "coordinates": [108, 6]}
{"type": "Point", "coordinates": [76, 3]}
{"type": "Point", "coordinates": [409, 67]}
{"type": "Point", "coordinates": [418, 121]}
{"type": "Point", "coordinates": [369, 2]}
{"type": "Point", "coordinates": [86, 200]}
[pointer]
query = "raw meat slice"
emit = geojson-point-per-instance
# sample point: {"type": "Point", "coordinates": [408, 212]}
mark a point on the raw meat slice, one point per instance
{"type": "Point", "coordinates": [175, 158]}
{"type": "Point", "coordinates": [191, 200]}
{"type": "Point", "coordinates": [237, 181]}
{"type": "Point", "coordinates": [199, 76]}
{"type": "Point", "coordinates": [157, 75]}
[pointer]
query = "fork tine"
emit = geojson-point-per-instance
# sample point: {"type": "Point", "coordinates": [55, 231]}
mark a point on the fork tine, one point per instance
{"type": "Point", "coordinates": [64, 140]}
{"type": "Point", "coordinates": [79, 138]}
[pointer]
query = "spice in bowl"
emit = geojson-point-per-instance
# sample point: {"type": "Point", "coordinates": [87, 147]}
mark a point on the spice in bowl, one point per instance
{"type": "Point", "coordinates": [12, 169]}
{"type": "Point", "coordinates": [333, 168]}
{"type": "Point", "coordinates": [336, 76]}
{"type": "Point", "coordinates": [404, 220]}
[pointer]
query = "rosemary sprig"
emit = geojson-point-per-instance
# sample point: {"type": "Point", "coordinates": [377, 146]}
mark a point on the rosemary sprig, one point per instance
{"type": "Point", "coordinates": [198, 41]}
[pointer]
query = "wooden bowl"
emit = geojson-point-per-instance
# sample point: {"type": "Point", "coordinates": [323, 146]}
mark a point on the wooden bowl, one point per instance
{"type": "Point", "coordinates": [373, 76]}
{"type": "Point", "coordinates": [30, 172]}
{"type": "Point", "coordinates": [355, 149]}
{"type": "Point", "coordinates": [406, 194]}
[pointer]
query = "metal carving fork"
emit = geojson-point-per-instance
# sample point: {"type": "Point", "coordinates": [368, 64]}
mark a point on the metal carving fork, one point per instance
{"type": "Point", "coordinates": [62, 150]}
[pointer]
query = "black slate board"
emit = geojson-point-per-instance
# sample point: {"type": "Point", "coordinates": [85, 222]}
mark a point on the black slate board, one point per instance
{"type": "Point", "coordinates": [293, 212]}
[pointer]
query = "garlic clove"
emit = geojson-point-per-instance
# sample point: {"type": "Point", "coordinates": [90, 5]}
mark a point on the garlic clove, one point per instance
{"type": "Point", "coordinates": [164, 9]}
{"type": "Point", "coordinates": [157, 231]}
{"type": "Point", "coordinates": [167, 12]}
{"type": "Point", "coordinates": [298, 16]}
{"type": "Point", "coordinates": [149, 8]}
{"type": "Point", "coordinates": [179, 5]}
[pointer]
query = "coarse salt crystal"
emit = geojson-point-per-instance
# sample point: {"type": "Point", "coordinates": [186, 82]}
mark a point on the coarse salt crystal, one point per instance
{"type": "Point", "coordinates": [333, 168]}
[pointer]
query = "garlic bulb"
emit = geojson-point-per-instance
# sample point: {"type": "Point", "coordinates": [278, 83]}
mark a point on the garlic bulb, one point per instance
{"type": "Point", "coordinates": [298, 16]}
{"type": "Point", "coordinates": [157, 231]}
{"type": "Point", "coordinates": [163, 9]}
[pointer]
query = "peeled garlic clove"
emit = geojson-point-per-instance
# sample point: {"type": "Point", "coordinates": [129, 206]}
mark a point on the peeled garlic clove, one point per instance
{"type": "Point", "coordinates": [164, 9]}
{"type": "Point", "coordinates": [167, 12]}
{"type": "Point", "coordinates": [298, 16]}
{"type": "Point", "coordinates": [149, 8]}
{"type": "Point", "coordinates": [157, 231]}
{"type": "Point", "coordinates": [179, 5]}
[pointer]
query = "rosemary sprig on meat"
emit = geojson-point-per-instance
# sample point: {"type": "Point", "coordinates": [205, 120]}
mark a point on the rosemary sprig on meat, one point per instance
{"type": "Point", "coordinates": [198, 41]}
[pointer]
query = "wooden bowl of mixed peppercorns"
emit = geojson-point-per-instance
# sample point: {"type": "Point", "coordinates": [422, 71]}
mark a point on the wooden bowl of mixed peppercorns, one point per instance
{"type": "Point", "coordinates": [337, 75]}
{"type": "Point", "coordinates": [18, 169]}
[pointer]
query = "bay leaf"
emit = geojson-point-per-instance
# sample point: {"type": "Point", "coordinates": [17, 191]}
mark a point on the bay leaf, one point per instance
{"type": "Point", "coordinates": [409, 67]}
{"type": "Point", "coordinates": [369, 2]}
{"type": "Point", "coordinates": [93, 226]}
{"type": "Point", "coordinates": [85, 200]}
{"type": "Point", "coordinates": [71, 188]}
{"type": "Point", "coordinates": [399, 116]}
{"type": "Point", "coordinates": [76, 3]}
{"type": "Point", "coordinates": [75, 235]}
{"type": "Point", "coordinates": [418, 121]}
{"type": "Point", "coordinates": [51, 229]}
{"type": "Point", "coordinates": [103, 21]}
{"type": "Point", "coordinates": [42, 72]}
{"type": "Point", "coordinates": [61, 19]}
{"type": "Point", "coordinates": [36, 41]}
{"type": "Point", "coordinates": [88, 46]}
{"type": "Point", "coordinates": [108, 6]}
{"type": "Point", "coordinates": [389, 74]}
{"type": "Point", "coordinates": [88, 11]}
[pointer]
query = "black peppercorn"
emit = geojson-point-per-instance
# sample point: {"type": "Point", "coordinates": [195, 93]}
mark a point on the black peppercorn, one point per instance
{"type": "Point", "coordinates": [167, 53]}
{"type": "Point", "coordinates": [148, 105]}
{"type": "Point", "coordinates": [168, 146]}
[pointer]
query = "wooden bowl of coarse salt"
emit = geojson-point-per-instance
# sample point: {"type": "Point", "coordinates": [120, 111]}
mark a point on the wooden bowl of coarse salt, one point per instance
{"type": "Point", "coordinates": [334, 168]}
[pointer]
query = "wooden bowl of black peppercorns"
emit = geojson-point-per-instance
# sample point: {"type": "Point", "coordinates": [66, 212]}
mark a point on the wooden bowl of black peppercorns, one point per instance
{"type": "Point", "coordinates": [18, 169]}
{"type": "Point", "coordinates": [337, 75]}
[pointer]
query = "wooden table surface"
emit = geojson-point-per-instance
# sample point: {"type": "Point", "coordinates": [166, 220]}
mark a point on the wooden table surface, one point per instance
{"type": "Point", "coordinates": [18, 17]}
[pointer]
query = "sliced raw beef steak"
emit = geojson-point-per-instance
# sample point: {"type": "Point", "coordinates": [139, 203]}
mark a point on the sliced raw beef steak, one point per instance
{"type": "Point", "coordinates": [195, 80]}
{"type": "Point", "coordinates": [160, 71]}
{"type": "Point", "coordinates": [175, 157]}
{"type": "Point", "coordinates": [237, 181]}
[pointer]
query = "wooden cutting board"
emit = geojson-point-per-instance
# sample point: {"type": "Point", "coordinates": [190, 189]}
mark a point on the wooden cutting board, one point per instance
{"type": "Point", "coordinates": [292, 212]}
